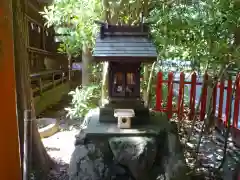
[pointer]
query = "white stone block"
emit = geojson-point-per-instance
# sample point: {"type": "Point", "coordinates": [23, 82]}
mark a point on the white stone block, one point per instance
{"type": "Point", "coordinates": [124, 117]}
{"type": "Point", "coordinates": [124, 123]}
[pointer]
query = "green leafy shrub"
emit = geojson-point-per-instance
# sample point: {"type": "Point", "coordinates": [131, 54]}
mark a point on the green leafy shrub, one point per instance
{"type": "Point", "coordinates": [83, 100]}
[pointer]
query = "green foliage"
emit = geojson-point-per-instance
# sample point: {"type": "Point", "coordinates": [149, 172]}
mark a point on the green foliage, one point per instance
{"type": "Point", "coordinates": [83, 100]}
{"type": "Point", "coordinates": [76, 19]}
{"type": "Point", "coordinates": [96, 73]}
{"type": "Point", "coordinates": [202, 31]}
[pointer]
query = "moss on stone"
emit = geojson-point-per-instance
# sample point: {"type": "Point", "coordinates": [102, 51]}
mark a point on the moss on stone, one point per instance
{"type": "Point", "coordinates": [50, 97]}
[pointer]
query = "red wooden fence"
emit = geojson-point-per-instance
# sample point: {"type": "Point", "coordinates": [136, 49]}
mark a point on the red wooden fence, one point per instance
{"type": "Point", "coordinates": [180, 110]}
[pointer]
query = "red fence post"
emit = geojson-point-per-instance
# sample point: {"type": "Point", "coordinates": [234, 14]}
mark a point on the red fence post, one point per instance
{"type": "Point", "coordinates": [221, 94]}
{"type": "Point", "coordinates": [170, 94]}
{"type": "Point", "coordinates": [192, 95]}
{"type": "Point", "coordinates": [214, 100]}
{"type": "Point", "coordinates": [159, 91]}
{"type": "Point", "coordinates": [181, 96]}
{"type": "Point", "coordinates": [229, 100]}
{"type": "Point", "coordinates": [204, 98]}
{"type": "Point", "coordinates": [236, 103]}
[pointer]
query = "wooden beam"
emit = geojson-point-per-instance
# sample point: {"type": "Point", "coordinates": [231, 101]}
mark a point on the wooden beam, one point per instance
{"type": "Point", "coordinates": [35, 22]}
{"type": "Point", "coordinates": [9, 138]}
{"type": "Point", "coordinates": [43, 52]}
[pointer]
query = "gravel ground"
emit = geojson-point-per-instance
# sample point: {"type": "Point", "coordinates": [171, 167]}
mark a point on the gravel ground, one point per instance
{"type": "Point", "coordinates": [60, 147]}
{"type": "Point", "coordinates": [210, 153]}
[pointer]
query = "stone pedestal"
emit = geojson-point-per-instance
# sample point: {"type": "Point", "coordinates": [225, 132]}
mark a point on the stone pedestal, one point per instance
{"type": "Point", "coordinates": [106, 114]}
{"type": "Point", "coordinates": [146, 151]}
{"type": "Point", "coordinates": [94, 127]}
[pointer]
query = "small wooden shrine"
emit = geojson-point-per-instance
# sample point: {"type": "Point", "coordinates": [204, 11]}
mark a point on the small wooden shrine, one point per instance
{"type": "Point", "coordinates": [125, 48]}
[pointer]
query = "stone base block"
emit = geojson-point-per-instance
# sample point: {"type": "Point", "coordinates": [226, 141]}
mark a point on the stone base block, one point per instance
{"type": "Point", "coordinates": [144, 152]}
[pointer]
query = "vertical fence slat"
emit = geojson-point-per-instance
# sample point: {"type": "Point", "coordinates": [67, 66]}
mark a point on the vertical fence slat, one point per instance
{"type": "Point", "coordinates": [204, 99]}
{"type": "Point", "coordinates": [181, 96]}
{"type": "Point", "coordinates": [159, 91]}
{"type": "Point", "coordinates": [192, 95]}
{"type": "Point", "coordinates": [180, 107]}
{"type": "Point", "coordinates": [170, 94]}
{"type": "Point", "coordinates": [229, 100]}
{"type": "Point", "coordinates": [40, 85]}
{"type": "Point", "coordinates": [221, 95]}
{"type": "Point", "coordinates": [62, 77]}
{"type": "Point", "coordinates": [214, 101]}
{"type": "Point", "coordinates": [236, 103]}
{"type": "Point", "coordinates": [53, 79]}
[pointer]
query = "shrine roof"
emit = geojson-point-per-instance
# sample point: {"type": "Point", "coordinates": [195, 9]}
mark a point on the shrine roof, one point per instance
{"type": "Point", "coordinates": [128, 43]}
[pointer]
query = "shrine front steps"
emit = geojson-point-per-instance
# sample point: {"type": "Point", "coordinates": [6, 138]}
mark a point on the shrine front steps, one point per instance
{"type": "Point", "coordinates": [148, 152]}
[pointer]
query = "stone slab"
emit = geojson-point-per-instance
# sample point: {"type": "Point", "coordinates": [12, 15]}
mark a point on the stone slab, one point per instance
{"type": "Point", "coordinates": [148, 151]}
{"type": "Point", "coordinates": [93, 127]}
{"type": "Point", "coordinates": [107, 115]}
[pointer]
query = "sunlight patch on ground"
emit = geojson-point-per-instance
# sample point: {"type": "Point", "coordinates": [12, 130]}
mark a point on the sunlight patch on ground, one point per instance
{"type": "Point", "coordinates": [61, 145]}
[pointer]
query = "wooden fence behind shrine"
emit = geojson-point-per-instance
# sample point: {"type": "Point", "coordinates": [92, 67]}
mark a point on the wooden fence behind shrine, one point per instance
{"type": "Point", "coordinates": [223, 87]}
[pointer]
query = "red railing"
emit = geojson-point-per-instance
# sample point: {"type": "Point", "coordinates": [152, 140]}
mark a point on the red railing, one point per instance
{"type": "Point", "coordinates": [223, 90]}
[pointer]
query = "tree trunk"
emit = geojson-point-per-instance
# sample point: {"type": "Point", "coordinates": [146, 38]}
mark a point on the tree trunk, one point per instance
{"type": "Point", "coordinates": [41, 159]}
{"type": "Point", "coordinates": [86, 60]}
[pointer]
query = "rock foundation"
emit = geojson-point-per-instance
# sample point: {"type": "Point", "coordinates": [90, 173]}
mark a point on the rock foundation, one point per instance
{"type": "Point", "coordinates": [140, 157]}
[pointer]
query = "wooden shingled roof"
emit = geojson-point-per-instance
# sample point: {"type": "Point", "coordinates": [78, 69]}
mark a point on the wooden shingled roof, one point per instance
{"type": "Point", "coordinates": [124, 43]}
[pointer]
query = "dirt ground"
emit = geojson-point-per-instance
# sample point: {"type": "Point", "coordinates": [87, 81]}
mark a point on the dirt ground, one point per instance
{"type": "Point", "coordinates": [60, 145]}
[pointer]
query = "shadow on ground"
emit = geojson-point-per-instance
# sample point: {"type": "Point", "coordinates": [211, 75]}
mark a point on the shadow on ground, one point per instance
{"type": "Point", "coordinates": [60, 145]}
{"type": "Point", "coordinates": [210, 153]}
